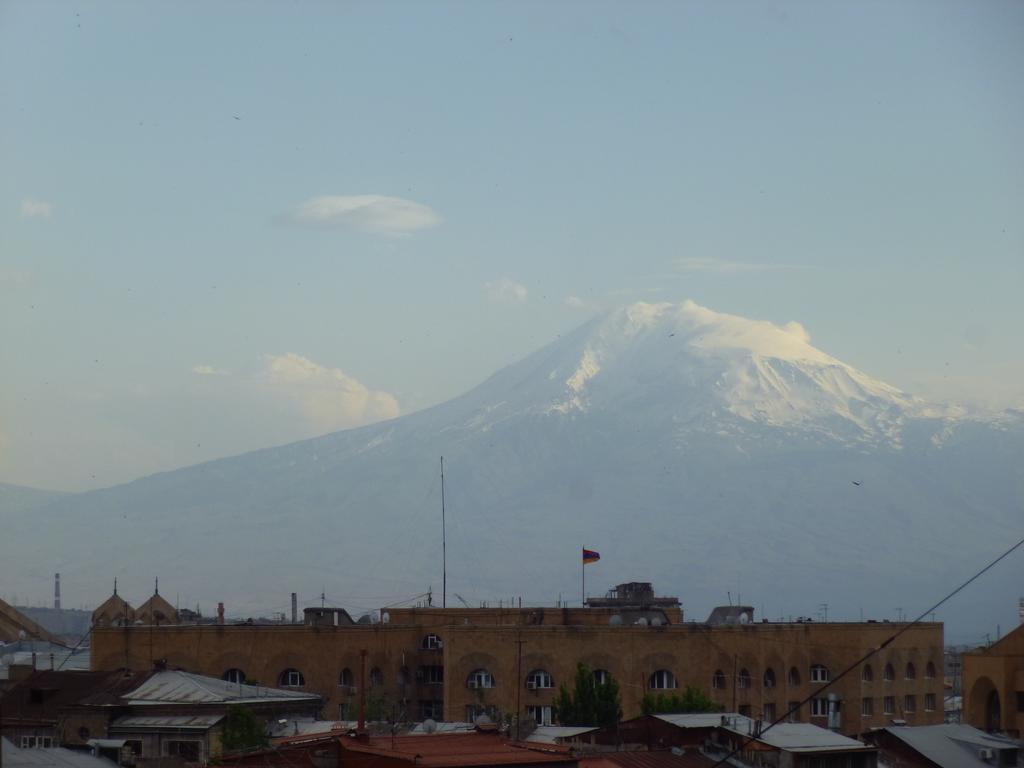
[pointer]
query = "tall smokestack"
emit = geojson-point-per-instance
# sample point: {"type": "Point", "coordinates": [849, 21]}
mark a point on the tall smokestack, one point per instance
{"type": "Point", "coordinates": [295, 608]}
{"type": "Point", "coordinates": [56, 591]}
{"type": "Point", "coordinates": [220, 613]}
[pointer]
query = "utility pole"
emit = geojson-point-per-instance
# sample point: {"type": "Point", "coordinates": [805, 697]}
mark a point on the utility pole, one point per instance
{"type": "Point", "coordinates": [519, 686]}
{"type": "Point", "coordinates": [444, 546]}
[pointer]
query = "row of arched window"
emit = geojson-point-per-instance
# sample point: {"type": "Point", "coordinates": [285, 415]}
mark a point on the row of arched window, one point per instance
{"type": "Point", "coordinates": [662, 679]}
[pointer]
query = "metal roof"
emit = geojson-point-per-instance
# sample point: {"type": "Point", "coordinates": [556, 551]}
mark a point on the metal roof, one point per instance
{"type": "Point", "coordinates": [951, 745]}
{"type": "Point", "coordinates": [793, 737]}
{"type": "Point", "coordinates": [173, 722]}
{"type": "Point", "coordinates": [550, 734]}
{"type": "Point", "coordinates": [54, 757]}
{"type": "Point", "coordinates": [695, 720]}
{"type": "Point", "coordinates": [177, 687]}
{"type": "Point", "coordinates": [459, 749]}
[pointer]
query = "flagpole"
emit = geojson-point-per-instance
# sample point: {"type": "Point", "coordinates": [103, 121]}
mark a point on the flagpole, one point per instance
{"type": "Point", "coordinates": [583, 580]}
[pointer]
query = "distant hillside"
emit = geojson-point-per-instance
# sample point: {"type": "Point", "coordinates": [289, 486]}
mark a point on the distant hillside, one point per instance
{"type": "Point", "coordinates": [15, 499]}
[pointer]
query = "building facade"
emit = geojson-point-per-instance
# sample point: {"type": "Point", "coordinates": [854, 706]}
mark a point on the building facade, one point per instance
{"type": "Point", "coordinates": [455, 664]}
{"type": "Point", "coordinates": [993, 685]}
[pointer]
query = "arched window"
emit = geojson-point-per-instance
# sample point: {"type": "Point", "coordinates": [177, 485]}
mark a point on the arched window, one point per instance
{"type": "Point", "coordinates": [911, 672]}
{"type": "Point", "coordinates": [346, 679]}
{"type": "Point", "coordinates": [662, 679]}
{"type": "Point", "coordinates": [819, 673]}
{"type": "Point", "coordinates": [794, 677]}
{"type": "Point", "coordinates": [539, 679]}
{"type": "Point", "coordinates": [929, 671]}
{"type": "Point", "coordinates": [431, 643]}
{"type": "Point", "coordinates": [234, 675]}
{"type": "Point", "coordinates": [291, 678]}
{"type": "Point", "coordinates": [743, 681]}
{"type": "Point", "coordinates": [867, 674]}
{"type": "Point", "coordinates": [480, 678]}
{"type": "Point", "coordinates": [769, 678]}
{"type": "Point", "coordinates": [889, 674]}
{"type": "Point", "coordinates": [718, 680]}
{"type": "Point", "coordinates": [602, 676]}
{"type": "Point", "coordinates": [376, 678]}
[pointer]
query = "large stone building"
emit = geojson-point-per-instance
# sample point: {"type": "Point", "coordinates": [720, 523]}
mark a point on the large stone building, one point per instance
{"type": "Point", "coordinates": [994, 684]}
{"type": "Point", "coordinates": [454, 664]}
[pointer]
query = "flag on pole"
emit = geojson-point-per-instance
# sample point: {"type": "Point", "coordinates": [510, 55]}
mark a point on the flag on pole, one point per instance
{"type": "Point", "coordinates": [590, 556]}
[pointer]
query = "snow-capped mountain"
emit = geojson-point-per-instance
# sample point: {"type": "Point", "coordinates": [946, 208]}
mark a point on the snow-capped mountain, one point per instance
{"type": "Point", "coordinates": [708, 453]}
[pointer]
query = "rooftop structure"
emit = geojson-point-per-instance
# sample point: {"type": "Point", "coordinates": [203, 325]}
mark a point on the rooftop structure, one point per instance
{"type": "Point", "coordinates": [945, 746]}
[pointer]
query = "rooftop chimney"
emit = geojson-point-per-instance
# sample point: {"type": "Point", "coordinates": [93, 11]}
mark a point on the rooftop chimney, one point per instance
{"type": "Point", "coordinates": [220, 613]}
{"type": "Point", "coordinates": [295, 608]}
{"type": "Point", "coordinates": [56, 591]}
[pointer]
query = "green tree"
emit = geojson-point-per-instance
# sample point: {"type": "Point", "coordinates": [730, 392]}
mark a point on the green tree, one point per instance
{"type": "Point", "coordinates": [242, 729]}
{"type": "Point", "coordinates": [590, 702]}
{"type": "Point", "coordinates": [692, 700]}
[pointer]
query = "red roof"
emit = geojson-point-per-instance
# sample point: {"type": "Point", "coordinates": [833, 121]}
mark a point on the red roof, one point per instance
{"type": "Point", "coordinates": [458, 749]}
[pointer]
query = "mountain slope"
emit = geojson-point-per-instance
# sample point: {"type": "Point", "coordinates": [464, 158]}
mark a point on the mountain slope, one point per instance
{"type": "Point", "coordinates": [706, 452]}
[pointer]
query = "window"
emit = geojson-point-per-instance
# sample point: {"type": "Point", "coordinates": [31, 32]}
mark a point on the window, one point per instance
{"type": "Point", "coordinates": [889, 674]}
{"type": "Point", "coordinates": [794, 677]}
{"type": "Point", "coordinates": [542, 715]}
{"type": "Point", "coordinates": [793, 712]}
{"type": "Point", "coordinates": [234, 676]}
{"type": "Point", "coordinates": [403, 676]}
{"type": "Point", "coordinates": [539, 679]}
{"type": "Point", "coordinates": [1020, 701]}
{"type": "Point", "coordinates": [346, 680]}
{"type": "Point", "coordinates": [479, 678]}
{"type": "Point", "coordinates": [134, 746]}
{"type": "Point", "coordinates": [889, 705]}
{"type": "Point", "coordinates": [83, 733]}
{"type": "Point", "coordinates": [819, 673]}
{"type": "Point", "coordinates": [867, 707]}
{"type": "Point", "coordinates": [769, 678]}
{"type": "Point", "coordinates": [290, 678]}
{"type": "Point", "coordinates": [662, 679]}
{"type": "Point", "coordinates": [744, 710]}
{"type": "Point", "coordinates": [188, 750]}
{"type": "Point", "coordinates": [601, 676]}
{"type": "Point", "coordinates": [929, 702]}
{"type": "Point", "coordinates": [819, 707]}
{"type": "Point", "coordinates": [867, 674]}
{"type": "Point", "coordinates": [929, 671]}
{"type": "Point", "coordinates": [911, 673]}
{"type": "Point", "coordinates": [910, 703]}
{"type": "Point", "coordinates": [431, 643]}
{"type": "Point", "coordinates": [36, 742]}
{"type": "Point", "coordinates": [344, 711]}
{"type": "Point", "coordinates": [431, 675]}
{"type": "Point", "coordinates": [432, 710]}
{"type": "Point", "coordinates": [743, 680]}
{"type": "Point", "coordinates": [376, 678]}
{"type": "Point", "coordinates": [718, 679]}
{"type": "Point", "coordinates": [768, 712]}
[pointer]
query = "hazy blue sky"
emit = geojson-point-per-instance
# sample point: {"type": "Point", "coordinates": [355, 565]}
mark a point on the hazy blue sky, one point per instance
{"type": "Point", "coordinates": [230, 225]}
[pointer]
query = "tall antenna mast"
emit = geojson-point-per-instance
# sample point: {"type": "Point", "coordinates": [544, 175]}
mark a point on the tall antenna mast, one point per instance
{"type": "Point", "coordinates": [444, 546]}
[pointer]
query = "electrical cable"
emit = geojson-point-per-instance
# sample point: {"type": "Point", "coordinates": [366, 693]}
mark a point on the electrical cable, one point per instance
{"type": "Point", "coordinates": [865, 657]}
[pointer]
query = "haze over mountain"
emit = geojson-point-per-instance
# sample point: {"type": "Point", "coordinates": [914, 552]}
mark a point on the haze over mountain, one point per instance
{"type": "Point", "coordinates": [705, 452]}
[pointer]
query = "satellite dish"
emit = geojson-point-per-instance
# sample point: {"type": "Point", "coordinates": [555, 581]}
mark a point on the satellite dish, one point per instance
{"type": "Point", "coordinates": [641, 622]}
{"type": "Point", "coordinates": [385, 617]}
{"type": "Point", "coordinates": [429, 725]}
{"type": "Point", "coordinates": [657, 621]}
{"type": "Point", "coordinates": [615, 620]}
{"type": "Point", "coordinates": [744, 618]}
{"type": "Point", "coordinates": [481, 720]}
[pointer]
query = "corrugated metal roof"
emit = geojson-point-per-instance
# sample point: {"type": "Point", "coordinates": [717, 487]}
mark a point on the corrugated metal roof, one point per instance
{"type": "Point", "coordinates": [695, 720]}
{"type": "Point", "coordinates": [794, 737]}
{"type": "Point", "coordinates": [196, 722]}
{"type": "Point", "coordinates": [177, 687]}
{"type": "Point", "coordinates": [459, 749]}
{"type": "Point", "coordinates": [951, 745]}
{"type": "Point", "coordinates": [56, 757]}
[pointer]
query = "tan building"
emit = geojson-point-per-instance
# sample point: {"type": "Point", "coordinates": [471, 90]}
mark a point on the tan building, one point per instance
{"type": "Point", "coordinates": [994, 685]}
{"type": "Point", "coordinates": [113, 612]}
{"type": "Point", "coordinates": [453, 664]}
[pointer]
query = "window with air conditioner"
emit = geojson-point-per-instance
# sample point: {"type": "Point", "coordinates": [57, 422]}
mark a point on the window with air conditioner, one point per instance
{"type": "Point", "coordinates": [480, 678]}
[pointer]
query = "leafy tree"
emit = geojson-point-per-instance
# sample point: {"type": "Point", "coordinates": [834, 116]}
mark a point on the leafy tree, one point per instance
{"type": "Point", "coordinates": [590, 702]}
{"type": "Point", "coordinates": [692, 700]}
{"type": "Point", "coordinates": [242, 729]}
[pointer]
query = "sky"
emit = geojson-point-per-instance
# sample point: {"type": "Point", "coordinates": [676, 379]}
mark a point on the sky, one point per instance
{"type": "Point", "coordinates": [225, 226]}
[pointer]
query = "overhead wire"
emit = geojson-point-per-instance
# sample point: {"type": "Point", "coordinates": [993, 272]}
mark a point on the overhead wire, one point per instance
{"type": "Point", "coordinates": [906, 627]}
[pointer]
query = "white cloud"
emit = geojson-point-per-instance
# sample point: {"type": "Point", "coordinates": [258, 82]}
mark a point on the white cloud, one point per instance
{"type": "Point", "coordinates": [728, 267]}
{"type": "Point", "coordinates": [798, 330]}
{"type": "Point", "coordinates": [574, 302]}
{"type": "Point", "coordinates": [327, 398]}
{"type": "Point", "coordinates": [35, 209]}
{"type": "Point", "coordinates": [506, 291]}
{"type": "Point", "coordinates": [208, 370]}
{"type": "Point", "coordinates": [376, 214]}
